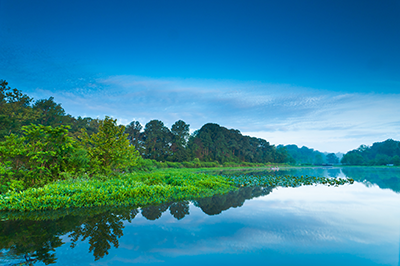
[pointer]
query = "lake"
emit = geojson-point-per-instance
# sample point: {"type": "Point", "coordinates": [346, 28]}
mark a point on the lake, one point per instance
{"type": "Point", "coordinates": [352, 224]}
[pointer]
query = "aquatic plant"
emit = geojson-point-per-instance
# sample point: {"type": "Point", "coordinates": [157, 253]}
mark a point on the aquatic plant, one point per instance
{"type": "Point", "coordinates": [127, 189]}
{"type": "Point", "coordinates": [285, 180]}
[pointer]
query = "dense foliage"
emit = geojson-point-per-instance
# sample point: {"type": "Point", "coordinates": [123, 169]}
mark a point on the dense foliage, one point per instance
{"type": "Point", "coordinates": [43, 154]}
{"type": "Point", "coordinates": [303, 155]}
{"type": "Point", "coordinates": [109, 149]}
{"type": "Point", "coordinates": [215, 143]}
{"type": "Point", "coordinates": [40, 143]}
{"type": "Point", "coordinates": [40, 155]}
{"type": "Point", "coordinates": [18, 110]}
{"type": "Point", "coordinates": [380, 153]}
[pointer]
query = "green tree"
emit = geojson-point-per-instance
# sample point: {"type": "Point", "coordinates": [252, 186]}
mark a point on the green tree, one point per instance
{"type": "Point", "coordinates": [135, 135]}
{"type": "Point", "coordinates": [353, 158]}
{"type": "Point", "coordinates": [39, 156]}
{"type": "Point", "coordinates": [157, 141]}
{"type": "Point", "coordinates": [396, 160]}
{"type": "Point", "coordinates": [51, 113]}
{"type": "Point", "coordinates": [215, 143]}
{"type": "Point", "coordinates": [180, 135]}
{"type": "Point", "coordinates": [109, 149]}
{"type": "Point", "coordinates": [380, 153]}
{"type": "Point", "coordinates": [15, 110]}
{"type": "Point", "coordinates": [383, 159]}
{"type": "Point", "coordinates": [332, 158]}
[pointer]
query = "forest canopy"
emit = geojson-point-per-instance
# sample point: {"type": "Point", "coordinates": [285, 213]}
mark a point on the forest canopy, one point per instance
{"type": "Point", "coordinates": [380, 153]}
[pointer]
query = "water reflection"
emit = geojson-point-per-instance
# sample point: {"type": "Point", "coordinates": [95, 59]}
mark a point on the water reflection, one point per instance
{"type": "Point", "coordinates": [218, 203]}
{"type": "Point", "coordinates": [36, 236]}
{"type": "Point", "coordinates": [179, 209]}
{"type": "Point", "coordinates": [385, 178]}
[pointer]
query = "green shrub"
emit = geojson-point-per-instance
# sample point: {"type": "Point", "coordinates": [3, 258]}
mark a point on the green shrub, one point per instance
{"type": "Point", "coordinates": [38, 157]}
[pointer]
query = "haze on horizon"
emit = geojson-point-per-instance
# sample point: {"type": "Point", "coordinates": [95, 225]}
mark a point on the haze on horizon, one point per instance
{"type": "Point", "coordinates": [324, 74]}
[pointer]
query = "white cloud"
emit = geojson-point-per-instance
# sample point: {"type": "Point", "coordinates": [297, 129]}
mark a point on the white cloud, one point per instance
{"type": "Point", "coordinates": [280, 113]}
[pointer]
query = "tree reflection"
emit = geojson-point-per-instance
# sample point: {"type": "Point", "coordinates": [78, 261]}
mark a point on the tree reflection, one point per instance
{"type": "Point", "coordinates": [37, 238]}
{"type": "Point", "coordinates": [179, 209]}
{"type": "Point", "coordinates": [37, 235]}
{"type": "Point", "coordinates": [334, 172]}
{"type": "Point", "coordinates": [102, 230]}
{"type": "Point", "coordinates": [218, 203]}
{"type": "Point", "coordinates": [154, 212]}
{"type": "Point", "coordinates": [382, 177]}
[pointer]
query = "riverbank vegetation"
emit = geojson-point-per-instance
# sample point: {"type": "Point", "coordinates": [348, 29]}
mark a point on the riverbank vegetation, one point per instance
{"type": "Point", "coordinates": [51, 160]}
{"type": "Point", "coordinates": [380, 153]}
{"type": "Point", "coordinates": [41, 144]}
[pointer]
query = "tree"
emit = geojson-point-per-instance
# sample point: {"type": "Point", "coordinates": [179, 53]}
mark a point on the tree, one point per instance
{"type": "Point", "coordinates": [157, 141]}
{"type": "Point", "coordinates": [332, 158]}
{"type": "Point", "coordinates": [109, 149]}
{"type": "Point", "coordinates": [15, 110]}
{"type": "Point", "coordinates": [51, 113]}
{"type": "Point", "coordinates": [134, 134]}
{"type": "Point", "coordinates": [39, 156]}
{"type": "Point", "coordinates": [215, 143]}
{"type": "Point", "coordinates": [383, 159]}
{"type": "Point", "coordinates": [180, 135]}
{"type": "Point", "coordinates": [396, 160]}
{"type": "Point", "coordinates": [353, 158]}
{"type": "Point", "coordinates": [380, 153]}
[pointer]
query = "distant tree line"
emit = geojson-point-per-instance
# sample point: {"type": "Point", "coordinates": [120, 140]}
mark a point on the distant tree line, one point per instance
{"type": "Point", "coordinates": [308, 156]}
{"type": "Point", "coordinates": [380, 153]}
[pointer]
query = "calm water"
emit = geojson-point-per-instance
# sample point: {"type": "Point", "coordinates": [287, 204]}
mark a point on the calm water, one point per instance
{"type": "Point", "coordinates": [356, 224]}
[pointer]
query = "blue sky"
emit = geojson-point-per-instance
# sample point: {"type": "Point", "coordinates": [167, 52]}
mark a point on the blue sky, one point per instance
{"type": "Point", "coordinates": [325, 74]}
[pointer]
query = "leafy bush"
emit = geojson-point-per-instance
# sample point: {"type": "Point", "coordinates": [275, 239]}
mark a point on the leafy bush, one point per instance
{"type": "Point", "coordinates": [38, 157]}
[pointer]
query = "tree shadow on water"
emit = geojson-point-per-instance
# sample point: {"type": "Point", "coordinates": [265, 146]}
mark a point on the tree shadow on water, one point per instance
{"type": "Point", "coordinates": [34, 237]}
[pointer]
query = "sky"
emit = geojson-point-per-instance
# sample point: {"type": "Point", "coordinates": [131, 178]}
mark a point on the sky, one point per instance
{"type": "Point", "coordinates": [324, 74]}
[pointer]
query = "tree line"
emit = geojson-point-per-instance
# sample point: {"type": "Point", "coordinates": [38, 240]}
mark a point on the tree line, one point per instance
{"type": "Point", "coordinates": [153, 141]}
{"type": "Point", "coordinates": [211, 143]}
{"type": "Point", "coordinates": [379, 153]}
{"type": "Point", "coordinates": [40, 142]}
{"type": "Point", "coordinates": [308, 156]}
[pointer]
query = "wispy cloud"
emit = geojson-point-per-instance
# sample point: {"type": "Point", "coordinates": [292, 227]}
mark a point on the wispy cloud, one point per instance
{"type": "Point", "coordinates": [280, 113]}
